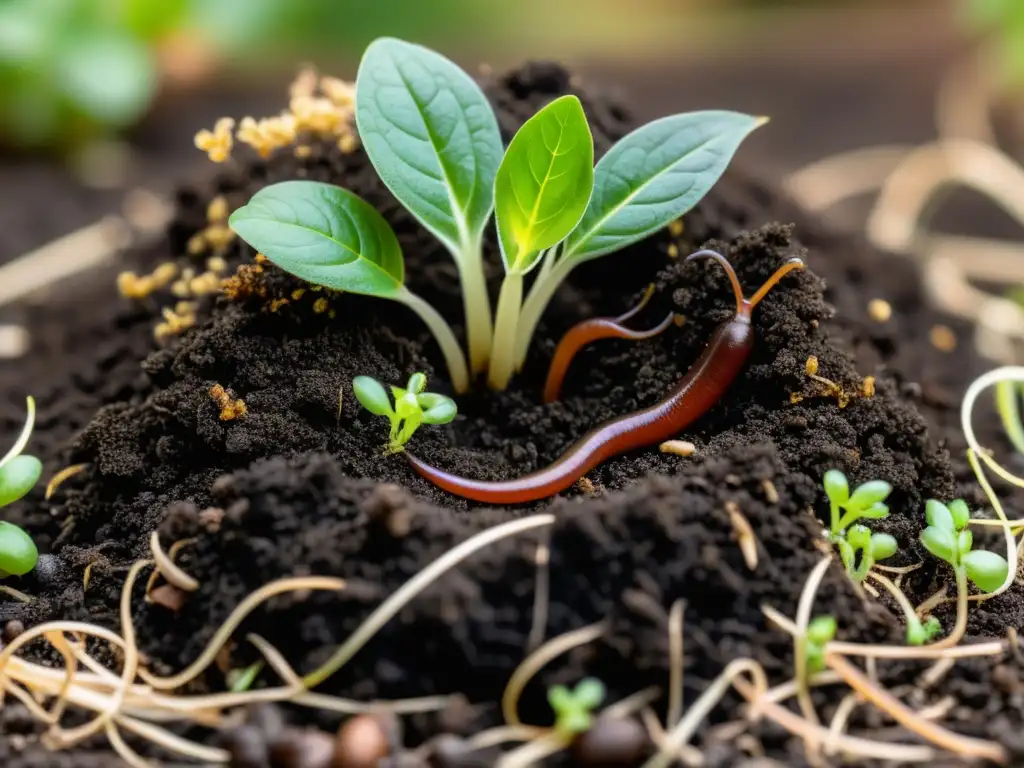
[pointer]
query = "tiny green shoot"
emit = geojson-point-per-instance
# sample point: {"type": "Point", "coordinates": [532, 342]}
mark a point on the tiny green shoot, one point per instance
{"type": "Point", "coordinates": [867, 502]}
{"type": "Point", "coordinates": [242, 679]}
{"type": "Point", "coordinates": [919, 633]}
{"type": "Point", "coordinates": [18, 475]}
{"type": "Point", "coordinates": [433, 139]}
{"type": "Point", "coordinates": [574, 709]}
{"type": "Point", "coordinates": [412, 407]}
{"type": "Point", "coordinates": [820, 632]}
{"type": "Point", "coordinates": [948, 538]}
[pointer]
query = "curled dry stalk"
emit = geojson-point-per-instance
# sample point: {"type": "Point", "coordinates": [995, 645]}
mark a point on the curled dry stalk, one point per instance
{"type": "Point", "coordinates": [120, 704]}
{"type": "Point", "coordinates": [834, 656]}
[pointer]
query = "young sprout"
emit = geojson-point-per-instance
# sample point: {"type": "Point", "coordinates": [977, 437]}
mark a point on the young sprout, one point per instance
{"type": "Point", "coordinates": [412, 407]}
{"type": "Point", "coordinates": [919, 633]}
{"type": "Point", "coordinates": [18, 475]}
{"type": "Point", "coordinates": [574, 709]}
{"type": "Point", "coordinates": [867, 502]}
{"type": "Point", "coordinates": [948, 538]}
{"type": "Point", "coordinates": [820, 632]}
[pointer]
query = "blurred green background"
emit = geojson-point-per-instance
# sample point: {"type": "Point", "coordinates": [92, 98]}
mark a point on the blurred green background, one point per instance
{"type": "Point", "coordinates": [74, 69]}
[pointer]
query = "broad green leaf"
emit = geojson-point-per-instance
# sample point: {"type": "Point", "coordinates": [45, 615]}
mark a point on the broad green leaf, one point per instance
{"type": "Point", "coordinates": [417, 383]}
{"type": "Point", "coordinates": [111, 77]}
{"type": "Point", "coordinates": [869, 493]}
{"type": "Point", "coordinates": [17, 477]}
{"type": "Point", "coordinates": [836, 487]}
{"type": "Point", "coordinates": [940, 542]}
{"type": "Point", "coordinates": [371, 395]}
{"type": "Point", "coordinates": [654, 175]}
{"type": "Point", "coordinates": [937, 514]}
{"type": "Point", "coordinates": [544, 182]}
{"type": "Point", "coordinates": [18, 553]}
{"type": "Point", "coordinates": [960, 512]}
{"type": "Point", "coordinates": [437, 409]}
{"type": "Point", "coordinates": [442, 412]}
{"type": "Point", "coordinates": [986, 569]}
{"type": "Point", "coordinates": [432, 136]}
{"type": "Point", "coordinates": [323, 234]}
{"type": "Point", "coordinates": [883, 545]}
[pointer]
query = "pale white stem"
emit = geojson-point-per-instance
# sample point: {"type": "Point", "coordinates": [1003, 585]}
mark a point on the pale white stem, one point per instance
{"type": "Point", "coordinates": [503, 361]}
{"type": "Point", "coordinates": [444, 336]}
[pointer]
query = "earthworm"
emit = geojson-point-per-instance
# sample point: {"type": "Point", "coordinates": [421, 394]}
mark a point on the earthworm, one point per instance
{"type": "Point", "coordinates": [699, 389]}
{"type": "Point", "coordinates": [593, 329]}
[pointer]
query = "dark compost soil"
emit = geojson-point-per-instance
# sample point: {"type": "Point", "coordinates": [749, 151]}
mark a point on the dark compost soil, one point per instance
{"type": "Point", "coordinates": [305, 491]}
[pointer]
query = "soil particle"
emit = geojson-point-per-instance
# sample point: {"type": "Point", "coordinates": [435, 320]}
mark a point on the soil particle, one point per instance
{"type": "Point", "coordinates": [304, 490]}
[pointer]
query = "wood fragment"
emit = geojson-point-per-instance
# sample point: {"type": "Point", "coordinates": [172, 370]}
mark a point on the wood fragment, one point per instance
{"type": "Point", "coordinates": [744, 534]}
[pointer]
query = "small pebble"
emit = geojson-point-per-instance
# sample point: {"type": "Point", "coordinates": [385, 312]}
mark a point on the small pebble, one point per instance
{"type": "Point", "coordinates": [168, 596]}
{"type": "Point", "coordinates": [942, 338]}
{"type": "Point", "coordinates": [611, 742]}
{"type": "Point", "coordinates": [362, 742]}
{"type": "Point", "coordinates": [49, 570]}
{"type": "Point", "coordinates": [306, 748]}
{"type": "Point", "coordinates": [247, 746]}
{"type": "Point", "coordinates": [12, 629]}
{"type": "Point", "coordinates": [879, 310]}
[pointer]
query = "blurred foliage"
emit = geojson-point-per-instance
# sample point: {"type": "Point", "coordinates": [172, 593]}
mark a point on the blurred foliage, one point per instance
{"type": "Point", "coordinates": [1003, 22]}
{"type": "Point", "coordinates": [70, 69]}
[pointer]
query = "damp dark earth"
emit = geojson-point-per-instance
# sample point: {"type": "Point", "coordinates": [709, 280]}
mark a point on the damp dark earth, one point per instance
{"type": "Point", "coordinates": [295, 484]}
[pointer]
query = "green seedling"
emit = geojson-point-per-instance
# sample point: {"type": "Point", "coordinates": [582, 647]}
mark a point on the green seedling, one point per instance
{"type": "Point", "coordinates": [412, 407]}
{"type": "Point", "coordinates": [867, 502]}
{"type": "Point", "coordinates": [919, 633]}
{"type": "Point", "coordinates": [574, 709]}
{"type": "Point", "coordinates": [820, 632]}
{"type": "Point", "coordinates": [948, 538]}
{"type": "Point", "coordinates": [433, 138]}
{"type": "Point", "coordinates": [18, 475]}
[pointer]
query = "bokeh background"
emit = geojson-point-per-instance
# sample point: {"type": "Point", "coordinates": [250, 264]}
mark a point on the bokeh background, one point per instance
{"type": "Point", "coordinates": [102, 97]}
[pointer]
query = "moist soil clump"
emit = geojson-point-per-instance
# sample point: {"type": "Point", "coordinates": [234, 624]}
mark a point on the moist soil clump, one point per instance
{"type": "Point", "coordinates": [299, 483]}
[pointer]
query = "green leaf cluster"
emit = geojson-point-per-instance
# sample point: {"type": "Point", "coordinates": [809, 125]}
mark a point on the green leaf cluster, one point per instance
{"type": "Point", "coordinates": [18, 475]}
{"type": "Point", "coordinates": [948, 538]}
{"type": "Point", "coordinates": [574, 708]}
{"type": "Point", "coordinates": [412, 407]}
{"type": "Point", "coordinates": [867, 502]}
{"type": "Point", "coordinates": [430, 133]}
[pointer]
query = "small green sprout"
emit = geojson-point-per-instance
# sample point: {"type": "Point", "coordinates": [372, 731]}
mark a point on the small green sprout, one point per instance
{"type": "Point", "coordinates": [867, 502]}
{"type": "Point", "coordinates": [241, 679]}
{"type": "Point", "coordinates": [413, 407]}
{"type": "Point", "coordinates": [919, 633]}
{"type": "Point", "coordinates": [948, 538]}
{"type": "Point", "coordinates": [820, 632]}
{"type": "Point", "coordinates": [18, 475]}
{"type": "Point", "coordinates": [574, 709]}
